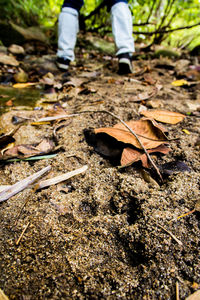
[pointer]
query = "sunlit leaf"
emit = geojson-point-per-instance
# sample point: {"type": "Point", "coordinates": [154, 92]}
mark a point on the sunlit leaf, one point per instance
{"type": "Point", "coordinates": [164, 116]}
{"type": "Point", "coordinates": [24, 85]}
{"type": "Point", "coordinates": [150, 134]}
{"type": "Point", "coordinates": [180, 82]}
{"type": "Point", "coordinates": [186, 131]}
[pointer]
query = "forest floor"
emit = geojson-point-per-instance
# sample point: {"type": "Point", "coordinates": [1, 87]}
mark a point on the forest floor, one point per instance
{"type": "Point", "coordinates": [108, 233]}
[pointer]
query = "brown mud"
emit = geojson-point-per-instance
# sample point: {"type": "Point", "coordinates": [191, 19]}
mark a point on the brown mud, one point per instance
{"type": "Point", "coordinates": [100, 235]}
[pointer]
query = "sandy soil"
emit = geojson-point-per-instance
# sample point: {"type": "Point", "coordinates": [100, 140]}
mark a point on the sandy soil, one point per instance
{"type": "Point", "coordinates": [100, 234]}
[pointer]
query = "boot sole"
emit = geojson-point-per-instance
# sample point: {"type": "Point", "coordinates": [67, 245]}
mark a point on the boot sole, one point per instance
{"type": "Point", "coordinates": [62, 66]}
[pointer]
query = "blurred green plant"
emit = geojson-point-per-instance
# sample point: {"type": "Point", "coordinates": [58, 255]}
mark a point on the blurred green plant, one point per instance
{"type": "Point", "coordinates": [155, 21]}
{"type": "Point", "coordinates": [30, 12]}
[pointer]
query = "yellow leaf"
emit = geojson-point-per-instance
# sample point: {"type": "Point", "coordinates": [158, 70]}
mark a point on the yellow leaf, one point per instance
{"type": "Point", "coordinates": [180, 82]}
{"type": "Point", "coordinates": [41, 123]}
{"type": "Point", "coordinates": [24, 85]}
{"type": "Point", "coordinates": [186, 131]}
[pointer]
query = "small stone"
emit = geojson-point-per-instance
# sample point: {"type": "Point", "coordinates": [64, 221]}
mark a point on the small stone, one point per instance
{"type": "Point", "coordinates": [21, 76]}
{"type": "Point", "coordinates": [8, 60]}
{"type": "Point", "coordinates": [16, 49]}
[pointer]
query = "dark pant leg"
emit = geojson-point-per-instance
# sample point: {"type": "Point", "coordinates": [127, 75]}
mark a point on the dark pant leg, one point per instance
{"type": "Point", "coordinates": [76, 4]}
{"type": "Point", "coordinates": [110, 3]}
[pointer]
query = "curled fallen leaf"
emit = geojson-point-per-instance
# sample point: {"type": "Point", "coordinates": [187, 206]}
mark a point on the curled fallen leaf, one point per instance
{"type": "Point", "coordinates": [130, 155]}
{"type": "Point", "coordinates": [6, 139]}
{"type": "Point", "coordinates": [151, 134]}
{"type": "Point", "coordinates": [145, 95]}
{"type": "Point", "coordinates": [149, 79]}
{"type": "Point", "coordinates": [24, 151]}
{"type": "Point", "coordinates": [118, 141]}
{"type": "Point", "coordinates": [164, 116]}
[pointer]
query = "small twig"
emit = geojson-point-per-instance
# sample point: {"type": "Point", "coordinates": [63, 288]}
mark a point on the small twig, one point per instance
{"type": "Point", "coordinates": [49, 119]}
{"type": "Point", "coordinates": [21, 209]}
{"type": "Point", "coordinates": [169, 232]}
{"type": "Point", "coordinates": [21, 235]}
{"type": "Point", "coordinates": [186, 214]}
{"type": "Point", "coordinates": [150, 12]}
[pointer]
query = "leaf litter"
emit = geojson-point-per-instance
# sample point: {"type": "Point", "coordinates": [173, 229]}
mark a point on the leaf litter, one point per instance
{"type": "Point", "coordinates": [102, 223]}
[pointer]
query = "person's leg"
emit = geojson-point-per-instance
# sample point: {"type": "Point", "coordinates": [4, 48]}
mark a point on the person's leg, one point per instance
{"type": "Point", "coordinates": [68, 26]}
{"type": "Point", "coordinates": [122, 31]}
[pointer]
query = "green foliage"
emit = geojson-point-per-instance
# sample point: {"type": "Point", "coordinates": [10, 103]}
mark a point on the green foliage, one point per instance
{"type": "Point", "coordinates": [149, 16]}
{"type": "Point", "coordinates": [30, 12]}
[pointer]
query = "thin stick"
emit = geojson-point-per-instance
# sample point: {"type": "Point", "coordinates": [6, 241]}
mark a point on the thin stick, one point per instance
{"type": "Point", "coordinates": [186, 214]}
{"type": "Point", "coordinates": [169, 232]}
{"type": "Point", "coordinates": [21, 235]}
{"type": "Point", "coordinates": [21, 209]}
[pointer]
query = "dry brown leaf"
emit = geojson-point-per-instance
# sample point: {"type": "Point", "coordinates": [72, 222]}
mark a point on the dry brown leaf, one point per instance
{"type": "Point", "coordinates": [152, 135]}
{"type": "Point", "coordinates": [48, 79]}
{"type": "Point", "coordinates": [164, 116]}
{"type": "Point", "coordinates": [145, 95]}
{"type": "Point", "coordinates": [75, 82]}
{"type": "Point", "coordinates": [149, 79]}
{"type": "Point", "coordinates": [24, 151]}
{"type": "Point", "coordinates": [6, 139]}
{"type": "Point", "coordinates": [130, 155]}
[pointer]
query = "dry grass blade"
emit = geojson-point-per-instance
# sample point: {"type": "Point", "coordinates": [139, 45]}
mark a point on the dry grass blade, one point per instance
{"type": "Point", "coordinates": [21, 185]}
{"type": "Point", "coordinates": [54, 118]}
{"type": "Point", "coordinates": [60, 178]}
{"type": "Point", "coordinates": [169, 232]}
{"type": "Point", "coordinates": [21, 235]}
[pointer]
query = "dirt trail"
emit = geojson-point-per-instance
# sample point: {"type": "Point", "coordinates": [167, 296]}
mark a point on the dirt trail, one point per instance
{"type": "Point", "coordinates": [100, 234]}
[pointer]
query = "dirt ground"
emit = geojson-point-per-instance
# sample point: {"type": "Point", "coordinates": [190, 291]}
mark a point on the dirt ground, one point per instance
{"type": "Point", "coordinates": [107, 233]}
